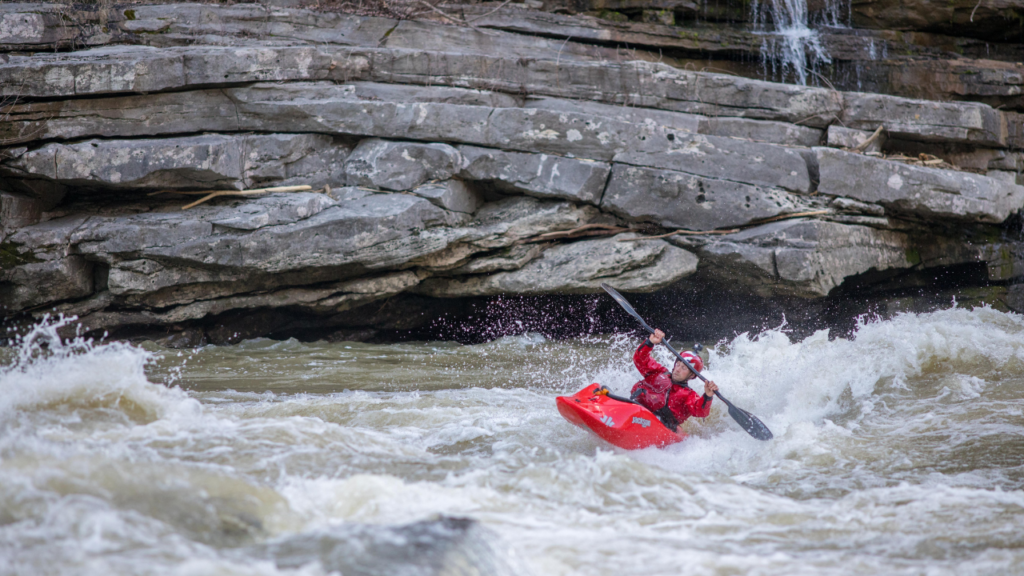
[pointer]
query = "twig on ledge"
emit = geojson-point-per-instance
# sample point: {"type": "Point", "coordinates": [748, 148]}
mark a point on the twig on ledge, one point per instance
{"type": "Point", "coordinates": [871, 139]}
{"type": "Point", "coordinates": [680, 232]}
{"type": "Point", "coordinates": [210, 194]}
{"type": "Point", "coordinates": [787, 217]}
{"type": "Point", "coordinates": [585, 230]}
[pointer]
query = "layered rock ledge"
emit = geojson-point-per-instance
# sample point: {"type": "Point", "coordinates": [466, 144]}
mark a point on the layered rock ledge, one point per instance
{"type": "Point", "coordinates": [447, 163]}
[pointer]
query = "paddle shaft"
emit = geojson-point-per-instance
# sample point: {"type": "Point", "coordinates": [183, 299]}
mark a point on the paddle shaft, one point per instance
{"type": "Point", "coordinates": [692, 369]}
{"type": "Point", "coordinates": [629, 308]}
{"type": "Point", "coordinates": [750, 423]}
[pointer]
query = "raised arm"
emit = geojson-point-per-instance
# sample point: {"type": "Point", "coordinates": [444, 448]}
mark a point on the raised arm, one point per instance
{"type": "Point", "coordinates": [642, 357]}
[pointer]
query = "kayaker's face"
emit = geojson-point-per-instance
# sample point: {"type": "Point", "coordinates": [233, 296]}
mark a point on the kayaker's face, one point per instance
{"type": "Point", "coordinates": [680, 373]}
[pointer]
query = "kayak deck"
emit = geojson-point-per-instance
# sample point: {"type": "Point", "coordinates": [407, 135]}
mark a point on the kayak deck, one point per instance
{"type": "Point", "coordinates": [623, 424]}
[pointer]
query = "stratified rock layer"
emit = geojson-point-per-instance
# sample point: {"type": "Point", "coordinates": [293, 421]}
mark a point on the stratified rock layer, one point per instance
{"type": "Point", "coordinates": [453, 162]}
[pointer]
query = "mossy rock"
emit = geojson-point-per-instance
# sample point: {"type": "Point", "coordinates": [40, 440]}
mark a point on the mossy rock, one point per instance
{"type": "Point", "coordinates": [11, 256]}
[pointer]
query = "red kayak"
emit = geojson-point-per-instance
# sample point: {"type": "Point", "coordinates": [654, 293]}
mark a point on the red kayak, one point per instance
{"type": "Point", "coordinates": [622, 424]}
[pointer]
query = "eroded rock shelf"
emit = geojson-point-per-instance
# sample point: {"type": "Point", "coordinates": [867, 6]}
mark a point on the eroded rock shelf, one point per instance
{"type": "Point", "coordinates": [445, 157]}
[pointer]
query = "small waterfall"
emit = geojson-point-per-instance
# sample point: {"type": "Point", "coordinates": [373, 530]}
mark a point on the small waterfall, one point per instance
{"type": "Point", "coordinates": [791, 48]}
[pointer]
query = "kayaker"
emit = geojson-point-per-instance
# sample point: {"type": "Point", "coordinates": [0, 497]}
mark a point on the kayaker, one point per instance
{"type": "Point", "coordinates": [665, 393]}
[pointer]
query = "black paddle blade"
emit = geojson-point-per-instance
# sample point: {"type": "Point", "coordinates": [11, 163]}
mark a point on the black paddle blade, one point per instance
{"type": "Point", "coordinates": [750, 423]}
{"type": "Point", "coordinates": [625, 305]}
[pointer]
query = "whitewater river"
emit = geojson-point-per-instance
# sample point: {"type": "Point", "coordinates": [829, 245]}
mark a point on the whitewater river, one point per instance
{"type": "Point", "coordinates": [899, 450]}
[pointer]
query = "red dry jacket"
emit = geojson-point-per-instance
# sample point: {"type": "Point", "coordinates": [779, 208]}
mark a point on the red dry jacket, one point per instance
{"type": "Point", "coordinates": [682, 400]}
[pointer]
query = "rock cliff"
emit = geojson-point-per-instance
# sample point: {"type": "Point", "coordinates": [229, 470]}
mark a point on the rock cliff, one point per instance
{"type": "Point", "coordinates": [486, 150]}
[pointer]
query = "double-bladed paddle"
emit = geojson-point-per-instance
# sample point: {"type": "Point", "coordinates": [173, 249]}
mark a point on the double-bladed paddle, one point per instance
{"type": "Point", "coordinates": [745, 419]}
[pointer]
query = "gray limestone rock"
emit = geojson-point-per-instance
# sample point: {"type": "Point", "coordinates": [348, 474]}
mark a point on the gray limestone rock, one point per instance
{"type": "Point", "coordinates": [632, 114]}
{"type": "Point", "coordinates": [723, 95]}
{"type": "Point", "coordinates": [724, 158]}
{"type": "Point", "coordinates": [18, 211]}
{"type": "Point", "coordinates": [761, 131]}
{"type": "Point", "coordinates": [855, 207]}
{"type": "Point", "coordinates": [183, 24]}
{"type": "Point", "coordinates": [333, 109]}
{"type": "Point", "coordinates": [452, 195]}
{"type": "Point", "coordinates": [327, 108]}
{"type": "Point", "coordinates": [563, 133]}
{"type": "Point", "coordinates": [28, 280]}
{"type": "Point", "coordinates": [246, 43]}
{"type": "Point", "coordinates": [924, 192]}
{"type": "Point", "coordinates": [967, 122]}
{"type": "Point", "coordinates": [102, 70]}
{"type": "Point", "coordinates": [678, 200]}
{"type": "Point", "coordinates": [322, 299]}
{"type": "Point", "coordinates": [650, 85]}
{"type": "Point", "coordinates": [1005, 176]}
{"type": "Point", "coordinates": [805, 258]}
{"type": "Point", "coordinates": [167, 257]}
{"type": "Point", "coordinates": [502, 223]}
{"type": "Point", "coordinates": [1015, 298]}
{"type": "Point", "coordinates": [512, 258]}
{"type": "Point", "coordinates": [578, 268]}
{"type": "Point", "coordinates": [428, 36]}
{"type": "Point", "coordinates": [122, 116]}
{"type": "Point", "coordinates": [292, 159]}
{"type": "Point", "coordinates": [437, 94]}
{"type": "Point", "coordinates": [30, 26]}
{"type": "Point", "coordinates": [211, 161]}
{"type": "Point", "coordinates": [350, 193]}
{"type": "Point", "coordinates": [304, 250]}
{"type": "Point", "coordinates": [841, 137]}
{"type": "Point", "coordinates": [254, 62]}
{"type": "Point", "coordinates": [390, 165]}
{"type": "Point", "coordinates": [744, 128]}
{"type": "Point", "coordinates": [538, 175]}
{"type": "Point", "coordinates": [140, 69]}
{"type": "Point", "coordinates": [273, 210]}
{"type": "Point", "coordinates": [48, 26]}
{"type": "Point", "coordinates": [449, 116]}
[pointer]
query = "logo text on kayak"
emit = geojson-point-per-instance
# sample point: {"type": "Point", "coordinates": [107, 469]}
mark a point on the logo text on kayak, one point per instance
{"type": "Point", "coordinates": [641, 421]}
{"type": "Point", "coordinates": [607, 420]}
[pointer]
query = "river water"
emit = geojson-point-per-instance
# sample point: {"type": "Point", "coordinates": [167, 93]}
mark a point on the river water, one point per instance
{"type": "Point", "coordinates": [898, 450]}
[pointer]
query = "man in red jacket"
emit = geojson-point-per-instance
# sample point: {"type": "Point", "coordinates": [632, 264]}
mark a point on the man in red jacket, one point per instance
{"type": "Point", "coordinates": [666, 393]}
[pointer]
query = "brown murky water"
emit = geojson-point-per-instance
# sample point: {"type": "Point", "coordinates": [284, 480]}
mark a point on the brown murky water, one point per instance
{"type": "Point", "coordinates": [897, 451]}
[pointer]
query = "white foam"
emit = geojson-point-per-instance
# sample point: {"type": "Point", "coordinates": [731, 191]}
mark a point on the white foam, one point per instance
{"type": "Point", "coordinates": [814, 393]}
{"type": "Point", "coordinates": [50, 372]}
{"type": "Point", "coordinates": [853, 483]}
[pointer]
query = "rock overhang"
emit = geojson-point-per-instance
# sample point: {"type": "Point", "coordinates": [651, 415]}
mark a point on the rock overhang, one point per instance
{"type": "Point", "coordinates": [509, 175]}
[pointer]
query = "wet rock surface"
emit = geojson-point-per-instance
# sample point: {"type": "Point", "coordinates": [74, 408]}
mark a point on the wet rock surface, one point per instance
{"type": "Point", "coordinates": [525, 155]}
{"type": "Point", "coordinates": [922, 191]}
{"type": "Point", "coordinates": [445, 546]}
{"type": "Point", "coordinates": [212, 161]}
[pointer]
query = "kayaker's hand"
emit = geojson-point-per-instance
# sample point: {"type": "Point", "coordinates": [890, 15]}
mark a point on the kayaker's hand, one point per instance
{"type": "Point", "coordinates": [710, 388]}
{"type": "Point", "coordinates": [657, 337]}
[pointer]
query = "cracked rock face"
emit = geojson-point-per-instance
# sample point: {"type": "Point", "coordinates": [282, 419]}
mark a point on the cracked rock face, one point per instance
{"type": "Point", "coordinates": [578, 268]}
{"type": "Point", "coordinates": [399, 165]}
{"type": "Point", "coordinates": [451, 162]}
{"type": "Point", "coordinates": [211, 161]}
{"type": "Point", "coordinates": [926, 192]}
{"type": "Point", "coordinates": [677, 200]}
{"type": "Point", "coordinates": [805, 258]}
{"type": "Point", "coordinates": [537, 175]}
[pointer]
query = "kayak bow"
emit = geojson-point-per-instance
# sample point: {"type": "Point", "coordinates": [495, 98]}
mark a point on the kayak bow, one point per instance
{"type": "Point", "coordinates": [623, 424]}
